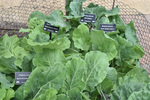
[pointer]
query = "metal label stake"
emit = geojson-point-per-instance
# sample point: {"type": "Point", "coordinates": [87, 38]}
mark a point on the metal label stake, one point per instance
{"type": "Point", "coordinates": [50, 28]}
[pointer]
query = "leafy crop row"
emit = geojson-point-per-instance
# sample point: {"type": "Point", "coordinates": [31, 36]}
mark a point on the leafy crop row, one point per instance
{"type": "Point", "coordinates": [81, 62]}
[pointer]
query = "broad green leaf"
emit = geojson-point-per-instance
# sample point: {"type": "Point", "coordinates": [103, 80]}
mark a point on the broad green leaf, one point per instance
{"type": "Point", "coordinates": [56, 18]}
{"type": "Point", "coordinates": [61, 34]}
{"type": "Point", "coordinates": [9, 94]}
{"type": "Point", "coordinates": [107, 85]}
{"type": "Point", "coordinates": [5, 83]}
{"type": "Point", "coordinates": [43, 79]}
{"type": "Point", "coordinates": [112, 74]}
{"type": "Point", "coordinates": [110, 81]}
{"type": "Point", "coordinates": [81, 37]}
{"type": "Point", "coordinates": [9, 47]}
{"type": "Point", "coordinates": [37, 14]}
{"type": "Point", "coordinates": [112, 12]}
{"type": "Point", "coordinates": [130, 84]}
{"type": "Point", "coordinates": [98, 10]}
{"type": "Point", "coordinates": [118, 22]}
{"type": "Point", "coordinates": [49, 58]}
{"type": "Point", "coordinates": [94, 95]}
{"type": "Point", "coordinates": [74, 94]}
{"type": "Point", "coordinates": [75, 71]}
{"type": "Point", "coordinates": [103, 20]}
{"type": "Point", "coordinates": [102, 42]}
{"type": "Point", "coordinates": [128, 79]}
{"type": "Point", "coordinates": [25, 30]}
{"type": "Point", "coordinates": [25, 45]}
{"type": "Point", "coordinates": [140, 73]}
{"type": "Point", "coordinates": [39, 29]}
{"type": "Point", "coordinates": [34, 23]}
{"type": "Point", "coordinates": [127, 54]}
{"type": "Point", "coordinates": [2, 93]}
{"type": "Point", "coordinates": [101, 94]}
{"type": "Point", "coordinates": [76, 9]}
{"type": "Point", "coordinates": [34, 33]}
{"type": "Point", "coordinates": [85, 96]}
{"type": "Point", "coordinates": [113, 34]}
{"type": "Point", "coordinates": [125, 90]}
{"type": "Point", "coordinates": [50, 94]}
{"type": "Point", "coordinates": [130, 33]}
{"type": "Point", "coordinates": [36, 46]}
{"type": "Point", "coordinates": [122, 28]}
{"type": "Point", "coordinates": [127, 51]}
{"type": "Point", "coordinates": [42, 37]}
{"type": "Point", "coordinates": [67, 7]}
{"type": "Point", "coordinates": [91, 5]}
{"type": "Point", "coordinates": [125, 65]}
{"type": "Point", "coordinates": [72, 53]}
{"type": "Point", "coordinates": [62, 97]}
{"type": "Point", "coordinates": [97, 63]}
{"type": "Point", "coordinates": [139, 50]}
{"type": "Point", "coordinates": [141, 95]}
{"type": "Point", "coordinates": [19, 93]}
{"type": "Point", "coordinates": [26, 65]}
{"type": "Point", "coordinates": [60, 44]}
{"type": "Point", "coordinates": [147, 88]}
{"type": "Point", "coordinates": [7, 65]}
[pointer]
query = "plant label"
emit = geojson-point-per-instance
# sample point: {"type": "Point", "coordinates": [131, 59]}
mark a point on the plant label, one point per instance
{"type": "Point", "coordinates": [50, 28]}
{"type": "Point", "coordinates": [107, 27]}
{"type": "Point", "coordinates": [88, 18]}
{"type": "Point", "coordinates": [21, 77]}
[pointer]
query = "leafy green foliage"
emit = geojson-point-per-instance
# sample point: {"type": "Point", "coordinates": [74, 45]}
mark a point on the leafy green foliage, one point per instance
{"type": "Point", "coordinates": [127, 53]}
{"type": "Point", "coordinates": [46, 79]}
{"type": "Point", "coordinates": [9, 94]}
{"type": "Point", "coordinates": [74, 94]}
{"type": "Point", "coordinates": [76, 9]}
{"type": "Point", "coordinates": [40, 41]}
{"type": "Point", "coordinates": [9, 47]}
{"type": "Point", "coordinates": [141, 95]}
{"type": "Point", "coordinates": [81, 38]}
{"type": "Point", "coordinates": [37, 14]}
{"type": "Point", "coordinates": [5, 81]}
{"type": "Point", "coordinates": [141, 74]}
{"type": "Point", "coordinates": [130, 33]}
{"type": "Point", "coordinates": [112, 74]}
{"type": "Point", "coordinates": [124, 91]}
{"type": "Point", "coordinates": [48, 58]}
{"type": "Point", "coordinates": [102, 42]}
{"type": "Point", "coordinates": [75, 71]}
{"type": "Point", "coordinates": [62, 97]}
{"type": "Point", "coordinates": [56, 18]}
{"type": "Point", "coordinates": [6, 94]}
{"type": "Point", "coordinates": [34, 22]}
{"type": "Point", "coordinates": [81, 62]}
{"type": "Point", "coordinates": [7, 65]}
{"type": "Point", "coordinates": [2, 93]}
{"type": "Point", "coordinates": [96, 68]}
{"type": "Point", "coordinates": [112, 12]}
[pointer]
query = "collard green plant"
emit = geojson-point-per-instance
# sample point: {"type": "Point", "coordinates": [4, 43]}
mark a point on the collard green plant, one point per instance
{"type": "Point", "coordinates": [81, 62]}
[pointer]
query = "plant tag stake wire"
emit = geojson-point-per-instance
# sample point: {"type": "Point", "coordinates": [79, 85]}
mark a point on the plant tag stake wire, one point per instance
{"type": "Point", "coordinates": [107, 27]}
{"type": "Point", "coordinates": [88, 18]}
{"type": "Point", "coordinates": [50, 28]}
{"type": "Point", "coordinates": [21, 77]}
